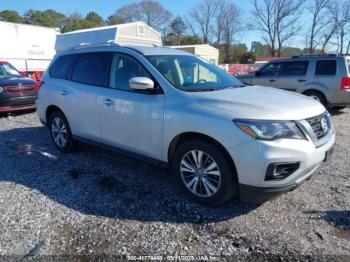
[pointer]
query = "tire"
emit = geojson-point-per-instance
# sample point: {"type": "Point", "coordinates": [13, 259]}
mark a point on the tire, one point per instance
{"type": "Point", "coordinates": [223, 182]}
{"type": "Point", "coordinates": [318, 96]}
{"type": "Point", "coordinates": [60, 132]}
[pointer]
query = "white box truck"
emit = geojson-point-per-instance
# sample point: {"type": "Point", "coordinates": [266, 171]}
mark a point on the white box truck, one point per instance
{"type": "Point", "coordinates": [136, 33]}
{"type": "Point", "coordinates": [29, 48]}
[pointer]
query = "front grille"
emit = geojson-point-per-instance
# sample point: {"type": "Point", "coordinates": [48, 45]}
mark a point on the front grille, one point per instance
{"type": "Point", "coordinates": [20, 89]}
{"type": "Point", "coordinates": [320, 125]}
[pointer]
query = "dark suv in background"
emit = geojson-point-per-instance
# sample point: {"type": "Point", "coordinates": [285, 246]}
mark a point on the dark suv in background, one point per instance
{"type": "Point", "coordinates": [325, 78]}
{"type": "Point", "coordinates": [16, 92]}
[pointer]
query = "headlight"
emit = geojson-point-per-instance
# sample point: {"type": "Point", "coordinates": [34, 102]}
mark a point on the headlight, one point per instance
{"type": "Point", "coordinates": [269, 130]}
{"type": "Point", "coordinates": [1, 90]}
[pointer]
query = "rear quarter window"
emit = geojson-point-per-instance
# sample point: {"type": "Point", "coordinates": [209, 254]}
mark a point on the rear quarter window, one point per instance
{"type": "Point", "coordinates": [326, 67]}
{"type": "Point", "coordinates": [92, 68]}
{"type": "Point", "coordinates": [62, 67]}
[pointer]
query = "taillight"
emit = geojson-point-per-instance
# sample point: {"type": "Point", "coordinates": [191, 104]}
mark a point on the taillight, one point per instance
{"type": "Point", "coordinates": [38, 85]}
{"type": "Point", "coordinates": [345, 83]}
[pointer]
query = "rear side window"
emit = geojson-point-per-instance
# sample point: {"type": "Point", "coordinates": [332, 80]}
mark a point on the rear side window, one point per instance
{"type": "Point", "coordinates": [91, 68]}
{"type": "Point", "coordinates": [326, 67]}
{"type": "Point", "coordinates": [296, 68]}
{"type": "Point", "coordinates": [62, 67]}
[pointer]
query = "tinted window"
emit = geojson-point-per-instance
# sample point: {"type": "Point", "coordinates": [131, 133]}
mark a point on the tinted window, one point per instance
{"type": "Point", "coordinates": [62, 67]}
{"type": "Point", "coordinates": [270, 69]}
{"type": "Point", "coordinates": [296, 68]}
{"type": "Point", "coordinates": [326, 67]}
{"type": "Point", "coordinates": [123, 69]}
{"type": "Point", "coordinates": [91, 69]}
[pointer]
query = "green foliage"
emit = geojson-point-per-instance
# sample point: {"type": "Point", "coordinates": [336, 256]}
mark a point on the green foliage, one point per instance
{"type": "Point", "coordinates": [49, 18]}
{"type": "Point", "coordinates": [94, 19]}
{"type": "Point", "coordinates": [178, 26]}
{"type": "Point", "coordinates": [115, 20]}
{"type": "Point", "coordinates": [10, 16]}
{"type": "Point", "coordinates": [247, 58]}
{"type": "Point", "coordinates": [172, 39]}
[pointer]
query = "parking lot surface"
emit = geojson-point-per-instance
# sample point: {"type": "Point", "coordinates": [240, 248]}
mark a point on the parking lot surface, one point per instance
{"type": "Point", "coordinates": [97, 202]}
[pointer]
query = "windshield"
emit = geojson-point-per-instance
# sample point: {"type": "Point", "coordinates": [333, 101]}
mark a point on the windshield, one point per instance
{"type": "Point", "coordinates": [7, 70]}
{"type": "Point", "coordinates": [189, 73]}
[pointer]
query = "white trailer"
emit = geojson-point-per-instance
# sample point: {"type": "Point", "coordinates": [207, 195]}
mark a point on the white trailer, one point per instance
{"type": "Point", "coordinates": [29, 48]}
{"type": "Point", "coordinates": [136, 33]}
{"type": "Point", "coordinates": [205, 51]}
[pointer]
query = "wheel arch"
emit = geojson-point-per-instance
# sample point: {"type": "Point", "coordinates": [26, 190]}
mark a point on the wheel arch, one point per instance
{"type": "Point", "coordinates": [316, 90]}
{"type": "Point", "coordinates": [181, 138]}
{"type": "Point", "coordinates": [50, 109]}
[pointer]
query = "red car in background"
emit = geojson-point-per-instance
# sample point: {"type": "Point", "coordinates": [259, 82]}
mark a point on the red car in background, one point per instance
{"type": "Point", "coordinates": [16, 92]}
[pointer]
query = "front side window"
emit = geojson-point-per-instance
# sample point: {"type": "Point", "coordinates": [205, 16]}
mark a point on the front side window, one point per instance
{"type": "Point", "coordinates": [189, 73]}
{"type": "Point", "coordinates": [8, 71]}
{"type": "Point", "coordinates": [123, 69]}
{"type": "Point", "coordinates": [326, 67]}
{"type": "Point", "coordinates": [295, 68]}
{"type": "Point", "coordinates": [270, 69]}
{"type": "Point", "coordinates": [91, 68]}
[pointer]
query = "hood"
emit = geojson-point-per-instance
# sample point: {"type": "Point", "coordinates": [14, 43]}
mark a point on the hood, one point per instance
{"type": "Point", "coordinates": [257, 102]}
{"type": "Point", "coordinates": [16, 81]}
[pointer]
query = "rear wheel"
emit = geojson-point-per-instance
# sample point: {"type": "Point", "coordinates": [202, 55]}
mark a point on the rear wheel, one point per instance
{"type": "Point", "coordinates": [205, 173]}
{"type": "Point", "coordinates": [60, 132]}
{"type": "Point", "coordinates": [318, 96]}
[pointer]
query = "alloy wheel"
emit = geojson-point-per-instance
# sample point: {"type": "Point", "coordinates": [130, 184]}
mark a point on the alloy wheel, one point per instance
{"type": "Point", "coordinates": [59, 132]}
{"type": "Point", "coordinates": [200, 173]}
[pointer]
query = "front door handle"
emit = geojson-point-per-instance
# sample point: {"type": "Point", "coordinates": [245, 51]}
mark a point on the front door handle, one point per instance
{"type": "Point", "coordinates": [108, 102]}
{"type": "Point", "coordinates": [272, 80]}
{"type": "Point", "coordinates": [63, 92]}
{"type": "Point", "coordinates": [301, 80]}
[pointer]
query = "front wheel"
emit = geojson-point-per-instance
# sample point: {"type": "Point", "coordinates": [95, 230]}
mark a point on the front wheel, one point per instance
{"type": "Point", "coordinates": [205, 173]}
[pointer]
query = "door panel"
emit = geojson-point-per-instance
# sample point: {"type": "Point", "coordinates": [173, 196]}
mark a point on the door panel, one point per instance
{"type": "Point", "coordinates": [131, 120]}
{"type": "Point", "coordinates": [292, 75]}
{"type": "Point", "coordinates": [267, 75]}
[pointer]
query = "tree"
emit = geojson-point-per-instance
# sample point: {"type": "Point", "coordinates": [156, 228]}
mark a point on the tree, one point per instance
{"type": "Point", "coordinates": [277, 20]}
{"type": "Point", "coordinates": [49, 18]}
{"type": "Point", "coordinates": [320, 20]}
{"type": "Point", "coordinates": [203, 16]}
{"type": "Point", "coordinates": [341, 15]}
{"type": "Point", "coordinates": [149, 11]}
{"type": "Point", "coordinates": [178, 28]}
{"type": "Point", "coordinates": [115, 20]}
{"type": "Point", "coordinates": [10, 16]}
{"type": "Point", "coordinates": [231, 25]}
{"type": "Point", "coordinates": [94, 19]}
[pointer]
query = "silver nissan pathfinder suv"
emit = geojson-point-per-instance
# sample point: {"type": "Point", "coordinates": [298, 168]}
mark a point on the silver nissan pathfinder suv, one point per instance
{"type": "Point", "coordinates": [221, 138]}
{"type": "Point", "coordinates": [325, 78]}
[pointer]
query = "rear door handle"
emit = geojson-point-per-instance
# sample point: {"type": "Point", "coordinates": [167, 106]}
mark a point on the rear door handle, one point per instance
{"type": "Point", "coordinates": [108, 102]}
{"type": "Point", "coordinates": [63, 92]}
{"type": "Point", "coordinates": [301, 80]}
{"type": "Point", "coordinates": [272, 80]}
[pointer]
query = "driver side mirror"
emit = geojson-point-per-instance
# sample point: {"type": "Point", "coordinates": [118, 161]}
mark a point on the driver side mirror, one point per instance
{"type": "Point", "coordinates": [141, 84]}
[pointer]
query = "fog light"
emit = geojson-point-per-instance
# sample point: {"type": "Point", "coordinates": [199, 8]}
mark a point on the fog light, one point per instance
{"type": "Point", "coordinates": [280, 171]}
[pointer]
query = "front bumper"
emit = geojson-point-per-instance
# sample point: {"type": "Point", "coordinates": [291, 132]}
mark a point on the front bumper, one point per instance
{"type": "Point", "coordinates": [9, 103]}
{"type": "Point", "coordinates": [253, 158]}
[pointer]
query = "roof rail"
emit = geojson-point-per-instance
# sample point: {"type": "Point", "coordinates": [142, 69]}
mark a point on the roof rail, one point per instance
{"type": "Point", "coordinates": [313, 55]}
{"type": "Point", "coordinates": [87, 45]}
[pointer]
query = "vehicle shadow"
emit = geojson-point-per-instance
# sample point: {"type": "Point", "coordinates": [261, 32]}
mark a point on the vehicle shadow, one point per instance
{"type": "Point", "coordinates": [337, 112]}
{"type": "Point", "coordinates": [338, 219]}
{"type": "Point", "coordinates": [98, 182]}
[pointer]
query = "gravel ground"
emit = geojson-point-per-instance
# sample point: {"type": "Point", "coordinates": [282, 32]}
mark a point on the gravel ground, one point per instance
{"type": "Point", "coordinates": [95, 202]}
